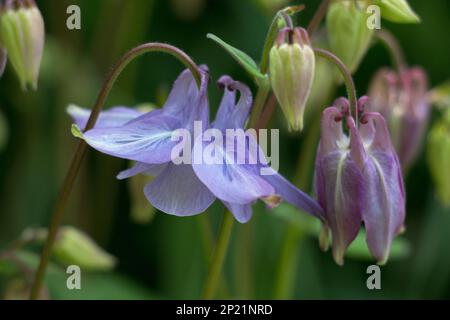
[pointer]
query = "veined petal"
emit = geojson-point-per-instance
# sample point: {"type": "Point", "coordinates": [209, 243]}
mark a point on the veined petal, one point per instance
{"type": "Point", "coordinates": [290, 193]}
{"type": "Point", "coordinates": [332, 136]}
{"type": "Point", "coordinates": [232, 115]}
{"type": "Point", "coordinates": [242, 212]}
{"type": "Point", "coordinates": [140, 167]}
{"type": "Point", "coordinates": [178, 191]}
{"type": "Point", "coordinates": [384, 210]}
{"type": "Point", "coordinates": [114, 117]}
{"type": "Point", "coordinates": [186, 101]}
{"type": "Point", "coordinates": [232, 174]}
{"type": "Point", "coordinates": [340, 195]}
{"type": "Point", "coordinates": [145, 139]}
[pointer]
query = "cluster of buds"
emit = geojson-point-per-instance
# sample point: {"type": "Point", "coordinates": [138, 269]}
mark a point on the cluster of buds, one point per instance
{"type": "Point", "coordinates": [292, 65]}
{"type": "Point", "coordinates": [22, 37]}
{"type": "Point", "coordinates": [439, 157]}
{"type": "Point", "coordinates": [401, 97]}
{"type": "Point", "coordinates": [358, 180]}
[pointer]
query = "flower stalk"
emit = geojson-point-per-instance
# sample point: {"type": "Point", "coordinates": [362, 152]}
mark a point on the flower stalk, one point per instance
{"type": "Point", "coordinates": [218, 258]}
{"type": "Point", "coordinates": [346, 74]}
{"type": "Point", "coordinates": [397, 56]}
{"type": "Point", "coordinates": [81, 148]}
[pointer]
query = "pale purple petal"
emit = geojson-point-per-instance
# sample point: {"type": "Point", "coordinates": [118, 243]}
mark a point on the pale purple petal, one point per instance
{"type": "Point", "coordinates": [186, 101]}
{"type": "Point", "coordinates": [288, 192]}
{"type": "Point", "coordinates": [242, 213]}
{"type": "Point", "coordinates": [225, 177]}
{"type": "Point", "coordinates": [340, 194]}
{"type": "Point", "coordinates": [140, 167]}
{"type": "Point", "coordinates": [145, 139]}
{"type": "Point", "coordinates": [233, 115]}
{"type": "Point", "coordinates": [178, 191]}
{"type": "Point", "coordinates": [114, 117]}
{"type": "Point", "coordinates": [384, 210]}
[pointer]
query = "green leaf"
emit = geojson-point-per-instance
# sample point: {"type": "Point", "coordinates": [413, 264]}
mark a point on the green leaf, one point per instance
{"type": "Point", "coordinates": [398, 11]}
{"type": "Point", "coordinates": [76, 131]}
{"type": "Point", "coordinates": [241, 57]}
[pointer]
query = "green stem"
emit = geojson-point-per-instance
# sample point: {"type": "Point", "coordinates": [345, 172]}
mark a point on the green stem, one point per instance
{"type": "Point", "coordinates": [258, 105]}
{"type": "Point", "coordinates": [346, 74]}
{"type": "Point", "coordinates": [392, 45]}
{"type": "Point", "coordinates": [218, 258]}
{"type": "Point", "coordinates": [318, 16]}
{"type": "Point", "coordinates": [82, 147]}
{"type": "Point", "coordinates": [285, 278]}
{"type": "Point", "coordinates": [273, 32]}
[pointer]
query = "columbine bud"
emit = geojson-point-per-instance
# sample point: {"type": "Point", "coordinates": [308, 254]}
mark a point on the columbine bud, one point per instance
{"type": "Point", "coordinates": [292, 64]}
{"type": "Point", "coordinates": [402, 99]}
{"type": "Point", "coordinates": [358, 179]}
{"type": "Point", "coordinates": [397, 11]}
{"type": "Point", "coordinates": [439, 157]}
{"type": "Point", "coordinates": [22, 35]}
{"type": "Point", "coordinates": [348, 33]}
{"type": "Point", "coordinates": [73, 246]}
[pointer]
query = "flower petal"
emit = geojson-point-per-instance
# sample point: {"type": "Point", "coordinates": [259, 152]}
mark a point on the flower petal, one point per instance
{"type": "Point", "coordinates": [178, 191]}
{"type": "Point", "coordinates": [340, 194]}
{"type": "Point", "coordinates": [186, 101]}
{"type": "Point", "coordinates": [384, 210]}
{"type": "Point", "coordinates": [242, 213]}
{"type": "Point", "coordinates": [145, 139]}
{"type": "Point", "coordinates": [140, 167]}
{"type": "Point", "coordinates": [290, 193]}
{"type": "Point", "coordinates": [231, 115]}
{"type": "Point", "coordinates": [224, 176]}
{"type": "Point", "coordinates": [114, 117]}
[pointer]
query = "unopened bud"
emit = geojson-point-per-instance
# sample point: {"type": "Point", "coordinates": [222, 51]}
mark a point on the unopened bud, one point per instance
{"type": "Point", "coordinates": [22, 34]}
{"type": "Point", "coordinates": [401, 97]}
{"type": "Point", "coordinates": [397, 11]}
{"type": "Point", "coordinates": [348, 33]}
{"type": "Point", "coordinates": [439, 157]}
{"type": "Point", "coordinates": [75, 247]}
{"type": "Point", "coordinates": [292, 65]}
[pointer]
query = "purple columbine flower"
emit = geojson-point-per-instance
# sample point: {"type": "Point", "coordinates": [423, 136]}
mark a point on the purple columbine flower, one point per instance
{"type": "Point", "coordinates": [401, 97]}
{"type": "Point", "coordinates": [358, 179]}
{"type": "Point", "coordinates": [239, 185]}
{"type": "Point", "coordinates": [187, 189]}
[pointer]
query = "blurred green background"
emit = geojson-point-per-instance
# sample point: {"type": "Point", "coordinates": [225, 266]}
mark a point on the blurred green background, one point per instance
{"type": "Point", "coordinates": [168, 257]}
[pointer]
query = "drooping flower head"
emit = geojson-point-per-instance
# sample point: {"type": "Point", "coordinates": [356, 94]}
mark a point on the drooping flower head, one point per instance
{"type": "Point", "coordinates": [185, 189]}
{"type": "Point", "coordinates": [22, 37]}
{"type": "Point", "coordinates": [401, 97]}
{"type": "Point", "coordinates": [292, 65]}
{"type": "Point", "coordinates": [358, 180]}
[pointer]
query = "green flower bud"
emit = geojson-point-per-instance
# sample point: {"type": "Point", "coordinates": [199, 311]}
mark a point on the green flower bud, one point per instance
{"type": "Point", "coordinates": [397, 11]}
{"type": "Point", "coordinates": [22, 34]}
{"type": "Point", "coordinates": [439, 157]}
{"type": "Point", "coordinates": [75, 247]}
{"type": "Point", "coordinates": [348, 33]}
{"type": "Point", "coordinates": [292, 66]}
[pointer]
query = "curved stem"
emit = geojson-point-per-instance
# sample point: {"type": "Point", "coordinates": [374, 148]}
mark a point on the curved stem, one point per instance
{"type": "Point", "coordinates": [318, 17]}
{"type": "Point", "coordinates": [81, 148]}
{"type": "Point", "coordinates": [218, 258]}
{"type": "Point", "coordinates": [273, 32]}
{"type": "Point", "coordinates": [258, 105]}
{"type": "Point", "coordinates": [346, 74]}
{"type": "Point", "coordinates": [394, 48]}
